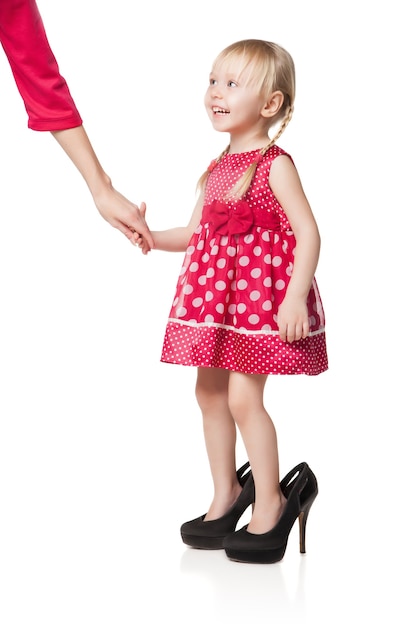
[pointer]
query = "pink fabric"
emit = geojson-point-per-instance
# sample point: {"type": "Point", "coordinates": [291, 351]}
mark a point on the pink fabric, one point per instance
{"type": "Point", "coordinates": [226, 219]}
{"type": "Point", "coordinates": [44, 91]}
{"type": "Point", "coordinates": [233, 279]}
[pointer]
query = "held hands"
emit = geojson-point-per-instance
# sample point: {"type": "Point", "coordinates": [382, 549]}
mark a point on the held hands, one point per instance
{"type": "Point", "coordinates": [126, 216]}
{"type": "Point", "coordinates": [293, 319]}
{"type": "Point", "coordinates": [140, 242]}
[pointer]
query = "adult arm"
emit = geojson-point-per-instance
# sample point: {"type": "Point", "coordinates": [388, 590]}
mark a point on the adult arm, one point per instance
{"type": "Point", "coordinates": [44, 91]}
{"type": "Point", "coordinates": [50, 107]}
{"type": "Point", "coordinates": [112, 205]}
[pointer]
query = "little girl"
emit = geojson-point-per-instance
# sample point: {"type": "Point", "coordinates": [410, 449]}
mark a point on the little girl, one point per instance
{"type": "Point", "coordinates": [247, 304]}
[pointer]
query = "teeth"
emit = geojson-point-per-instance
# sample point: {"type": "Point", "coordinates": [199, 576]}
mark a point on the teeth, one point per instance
{"type": "Point", "coordinates": [222, 111]}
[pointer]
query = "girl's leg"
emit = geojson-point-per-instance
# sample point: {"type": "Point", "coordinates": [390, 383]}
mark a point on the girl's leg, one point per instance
{"type": "Point", "coordinates": [259, 436]}
{"type": "Point", "coordinates": [220, 438]}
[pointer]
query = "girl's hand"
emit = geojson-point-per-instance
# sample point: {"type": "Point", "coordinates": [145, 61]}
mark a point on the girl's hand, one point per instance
{"type": "Point", "coordinates": [140, 241]}
{"type": "Point", "coordinates": [293, 319]}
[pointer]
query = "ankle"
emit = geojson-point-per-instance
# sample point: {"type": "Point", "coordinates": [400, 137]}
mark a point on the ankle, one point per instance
{"type": "Point", "coordinates": [223, 502]}
{"type": "Point", "coordinates": [266, 513]}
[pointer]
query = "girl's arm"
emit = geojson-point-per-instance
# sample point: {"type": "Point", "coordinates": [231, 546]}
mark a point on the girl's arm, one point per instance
{"type": "Point", "coordinates": [176, 239]}
{"type": "Point", "coordinates": [292, 314]}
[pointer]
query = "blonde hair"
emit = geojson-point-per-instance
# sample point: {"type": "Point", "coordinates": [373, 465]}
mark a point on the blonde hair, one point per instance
{"type": "Point", "coordinates": [270, 68]}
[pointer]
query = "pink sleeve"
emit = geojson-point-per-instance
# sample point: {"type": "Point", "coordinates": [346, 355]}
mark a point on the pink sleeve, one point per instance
{"type": "Point", "coordinates": [45, 93]}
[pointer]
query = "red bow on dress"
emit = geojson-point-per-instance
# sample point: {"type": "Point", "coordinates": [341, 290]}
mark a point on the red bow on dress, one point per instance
{"type": "Point", "coordinates": [228, 219]}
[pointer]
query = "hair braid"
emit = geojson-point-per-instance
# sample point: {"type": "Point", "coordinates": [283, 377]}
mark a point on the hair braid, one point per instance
{"type": "Point", "coordinates": [202, 180]}
{"type": "Point", "coordinates": [245, 180]}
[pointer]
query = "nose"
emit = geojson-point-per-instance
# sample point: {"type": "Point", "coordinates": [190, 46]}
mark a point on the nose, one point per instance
{"type": "Point", "coordinates": [216, 91]}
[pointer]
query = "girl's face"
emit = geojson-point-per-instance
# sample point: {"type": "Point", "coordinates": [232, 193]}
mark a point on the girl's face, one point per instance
{"type": "Point", "coordinates": [233, 103]}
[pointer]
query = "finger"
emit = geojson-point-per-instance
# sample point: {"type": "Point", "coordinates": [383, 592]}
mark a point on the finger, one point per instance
{"type": "Point", "coordinates": [144, 232]}
{"type": "Point", "coordinates": [299, 330]}
{"type": "Point", "coordinates": [283, 334]}
{"type": "Point", "coordinates": [306, 329]}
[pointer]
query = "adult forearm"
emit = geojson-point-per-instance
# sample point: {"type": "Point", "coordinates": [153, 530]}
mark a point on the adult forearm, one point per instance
{"type": "Point", "coordinates": [76, 144]}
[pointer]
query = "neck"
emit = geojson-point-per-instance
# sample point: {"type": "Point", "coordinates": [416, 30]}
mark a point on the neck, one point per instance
{"type": "Point", "coordinates": [247, 143]}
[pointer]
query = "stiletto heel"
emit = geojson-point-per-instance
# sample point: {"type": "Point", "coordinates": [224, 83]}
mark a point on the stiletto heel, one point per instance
{"type": "Point", "coordinates": [302, 521]}
{"type": "Point", "coordinates": [300, 489]}
{"type": "Point", "coordinates": [210, 535]}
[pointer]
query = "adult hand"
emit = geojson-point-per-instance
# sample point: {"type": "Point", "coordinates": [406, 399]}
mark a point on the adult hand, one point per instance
{"type": "Point", "coordinates": [125, 216]}
{"type": "Point", "coordinates": [112, 205]}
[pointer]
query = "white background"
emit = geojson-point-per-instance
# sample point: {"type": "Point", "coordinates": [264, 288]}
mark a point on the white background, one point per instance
{"type": "Point", "coordinates": [101, 448]}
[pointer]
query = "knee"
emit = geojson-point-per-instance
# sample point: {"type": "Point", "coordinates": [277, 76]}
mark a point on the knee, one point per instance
{"type": "Point", "coordinates": [239, 408]}
{"type": "Point", "coordinates": [209, 398]}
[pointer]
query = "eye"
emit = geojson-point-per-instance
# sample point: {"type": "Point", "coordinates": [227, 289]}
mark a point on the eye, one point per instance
{"type": "Point", "coordinates": [231, 83]}
{"type": "Point", "coordinates": [212, 81]}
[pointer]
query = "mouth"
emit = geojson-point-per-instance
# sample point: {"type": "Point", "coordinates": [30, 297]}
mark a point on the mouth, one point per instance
{"type": "Point", "coordinates": [219, 111]}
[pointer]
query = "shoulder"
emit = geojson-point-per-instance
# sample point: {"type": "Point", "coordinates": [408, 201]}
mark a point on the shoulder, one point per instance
{"type": "Point", "coordinates": [278, 162]}
{"type": "Point", "coordinates": [275, 151]}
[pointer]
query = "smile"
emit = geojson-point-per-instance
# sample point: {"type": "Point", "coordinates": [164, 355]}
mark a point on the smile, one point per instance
{"type": "Point", "coordinates": [218, 111]}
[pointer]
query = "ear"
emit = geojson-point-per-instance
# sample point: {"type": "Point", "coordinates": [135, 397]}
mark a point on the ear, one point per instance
{"type": "Point", "coordinates": [273, 104]}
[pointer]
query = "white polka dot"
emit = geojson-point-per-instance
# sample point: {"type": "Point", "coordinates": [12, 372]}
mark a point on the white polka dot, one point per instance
{"type": "Point", "coordinates": [194, 267]}
{"type": "Point", "coordinates": [197, 302]}
{"type": "Point", "coordinates": [253, 319]}
{"type": "Point", "coordinates": [190, 250]}
{"type": "Point", "coordinates": [209, 296]}
{"type": "Point", "coordinates": [232, 309]}
{"type": "Point", "coordinates": [206, 257]}
{"type": "Point", "coordinates": [241, 307]}
{"type": "Point", "coordinates": [181, 311]}
{"type": "Point", "coordinates": [280, 285]}
{"type": "Point", "coordinates": [267, 282]}
{"type": "Point", "coordinates": [242, 284]}
{"type": "Point", "coordinates": [210, 272]}
{"type": "Point", "coordinates": [256, 272]}
{"type": "Point", "coordinates": [257, 251]}
{"type": "Point", "coordinates": [248, 238]}
{"type": "Point", "coordinates": [220, 285]}
{"type": "Point", "coordinates": [221, 263]}
{"type": "Point", "coordinates": [202, 280]}
{"type": "Point", "coordinates": [267, 305]}
{"type": "Point", "coordinates": [255, 295]}
{"type": "Point", "coordinates": [267, 259]}
{"type": "Point", "coordinates": [276, 261]}
{"type": "Point", "coordinates": [244, 261]}
{"type": "Point", "coordinates": [220, 308]}
{"type": "Point", "coordinates": [231, 251]}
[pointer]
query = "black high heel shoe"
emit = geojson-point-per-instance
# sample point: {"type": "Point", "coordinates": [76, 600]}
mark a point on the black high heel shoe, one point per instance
{"type": "Point", "coordinates": [210, 535]}
{"type": "Point", "coordinates": [300, 489]}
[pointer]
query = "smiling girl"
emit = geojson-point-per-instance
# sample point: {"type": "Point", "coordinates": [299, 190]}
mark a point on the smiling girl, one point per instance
{"type": "Point", "coordinates": [247, 304]}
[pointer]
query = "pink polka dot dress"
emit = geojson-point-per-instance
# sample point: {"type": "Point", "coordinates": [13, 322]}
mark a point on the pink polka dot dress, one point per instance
{"type": "Point", "coordinates": [235, 273]}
